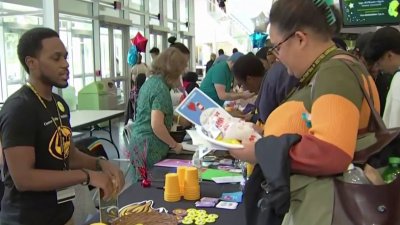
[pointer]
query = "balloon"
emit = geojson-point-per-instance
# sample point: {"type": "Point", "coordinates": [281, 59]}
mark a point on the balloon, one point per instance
{"type": "Point", "coordinates": [258, 39]}
{"type": "Point", "coordinates": [132, 55]}
{"type": "Point", "coordinates": [140, 42]}
{"type": "Point", "coordinates": [260, 23]}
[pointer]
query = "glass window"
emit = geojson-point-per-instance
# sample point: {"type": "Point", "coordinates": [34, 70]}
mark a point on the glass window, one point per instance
{"type": "Point", "coordinates": [88, 57]}
{"type": "Point", "coordinates": [154, 7]}
{"type": "Point", "coordinates": [154, 21]}
{"type": "Point", "coordinates": [134, 30]}
{"type": "Point", "coordinates": [171, 6]}
{"type": "Point", "coordinates": [78, 84]}
{"type": "Point", "coordinates": [105, 54]}
{"type": "Point", "coordinates": [184, 10]}
{"type": "Point", "coordinates": [136, 19]}
{"type": "Point", "coordinates": [136, 4]}
{"type": "Point", "coordinates": [14, 70]}
{"type": "Point", "coordinates": [77, 35]}
{"type": "Point", "coordinates": [160, 42]}
{"type": "Point", "coordinates": [183, 27]}
{"type": "Point", "coordinates": [152, 41]}
{"type": "Point", "coordinates": [119, 81]}
{"type": "Point", "coordinates": [89, 80]}
{"type": "Point", "coordinates": [172, 26]}
{"type": "Point", "coordinates": [108, 10]}
{"type": "Point", "coordinates": [76, 56]}
{"type": "Point", "coordinates": [13, 75]}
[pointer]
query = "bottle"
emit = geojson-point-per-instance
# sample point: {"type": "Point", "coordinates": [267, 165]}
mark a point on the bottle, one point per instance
{"type": "Point", "coordinates": [355, 175]}
{"type": "Point", "coordinates": [393, 170]}
{"type": "Point", "coordinates": [197, 162]}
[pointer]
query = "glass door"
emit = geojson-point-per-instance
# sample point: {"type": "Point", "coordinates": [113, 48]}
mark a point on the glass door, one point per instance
{"type": "Point", "coordinates": [112, 59]}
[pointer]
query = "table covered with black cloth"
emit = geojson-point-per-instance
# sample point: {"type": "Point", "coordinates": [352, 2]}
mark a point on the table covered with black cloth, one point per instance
{"type": "Point", "coordinates": [136, 193]}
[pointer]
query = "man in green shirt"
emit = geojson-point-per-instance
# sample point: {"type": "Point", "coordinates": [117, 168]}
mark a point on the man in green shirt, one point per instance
{"type": "Point", "coordinates": [218, 82]}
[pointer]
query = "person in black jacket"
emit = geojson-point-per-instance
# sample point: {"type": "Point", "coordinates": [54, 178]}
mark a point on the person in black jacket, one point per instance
{"type": "Point", "coordinates": [209, 64]}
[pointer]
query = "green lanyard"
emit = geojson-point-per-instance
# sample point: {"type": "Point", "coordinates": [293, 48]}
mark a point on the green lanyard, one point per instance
{"type": "Point", "coordinates": [311, 71]}
{"type": "Point", "coordinates": [58, 127]}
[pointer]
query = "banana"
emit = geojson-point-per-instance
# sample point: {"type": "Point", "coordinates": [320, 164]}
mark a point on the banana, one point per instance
{"type": "Point", "coordinates": [230, 141]}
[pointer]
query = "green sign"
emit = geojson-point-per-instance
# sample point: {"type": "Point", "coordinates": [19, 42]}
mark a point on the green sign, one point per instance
{"type": "Point", "coordinates": [370, 12]}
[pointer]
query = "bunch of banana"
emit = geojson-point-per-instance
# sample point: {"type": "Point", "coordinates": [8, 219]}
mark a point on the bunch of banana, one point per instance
{"type": "Point", "coordinates": [228, 140]}
{"type": "Point", "coordinates": [145, 206]}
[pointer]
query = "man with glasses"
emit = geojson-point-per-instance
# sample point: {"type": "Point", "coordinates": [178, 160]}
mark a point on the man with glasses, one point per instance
{"type": "Point", "coordinates": [276, 84]}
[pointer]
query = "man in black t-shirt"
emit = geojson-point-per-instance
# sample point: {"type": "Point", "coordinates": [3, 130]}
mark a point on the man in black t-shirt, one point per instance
{"type": "Point", "coordinates": [41, 162]}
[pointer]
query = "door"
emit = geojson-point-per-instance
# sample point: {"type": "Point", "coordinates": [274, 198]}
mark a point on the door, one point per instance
{"type": "Point", "coordinates": [114, 42]}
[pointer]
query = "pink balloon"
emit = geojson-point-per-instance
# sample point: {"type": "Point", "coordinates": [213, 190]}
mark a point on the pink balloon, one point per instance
{"type": "Point", "coordinates": [140, 42]}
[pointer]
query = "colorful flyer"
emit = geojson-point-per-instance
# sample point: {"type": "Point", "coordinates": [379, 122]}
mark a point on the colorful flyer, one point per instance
{"type": "Point", "coordinates": [194, 104]}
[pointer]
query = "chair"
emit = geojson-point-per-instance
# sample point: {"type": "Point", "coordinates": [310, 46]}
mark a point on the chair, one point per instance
{"type": "Point", "coordinates": [91, 146]}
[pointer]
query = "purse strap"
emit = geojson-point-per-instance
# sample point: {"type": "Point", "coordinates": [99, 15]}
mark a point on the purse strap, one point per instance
{"type": "Point", "coordinates": [379, 124]}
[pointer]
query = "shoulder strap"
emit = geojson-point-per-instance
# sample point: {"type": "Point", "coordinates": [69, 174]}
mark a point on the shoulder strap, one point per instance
{"type": "Point", "coordinates": [380, 125]}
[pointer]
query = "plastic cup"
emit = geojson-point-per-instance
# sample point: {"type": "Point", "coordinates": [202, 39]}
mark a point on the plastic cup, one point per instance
{"type": "Point", "coordinates": [172, 191]}
{"type": "Point", "coordinates": [181, 170]}
{"type": "Point", "coordinates": [191, 177]}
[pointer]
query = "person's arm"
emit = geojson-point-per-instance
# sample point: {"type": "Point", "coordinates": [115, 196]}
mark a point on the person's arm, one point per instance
{"type": "Point", "coordinates": [183, 122]}
{"type": "Point", "coordinates": [161, 131]}
{"type": "Point", "coordinates": [230, 96]}
{"type": "Point", "coordinates": [328, 146]}
{"type": "Point", "coordinates": [79, 160]}
{"type": "Point", "coordinates": [21, 165]}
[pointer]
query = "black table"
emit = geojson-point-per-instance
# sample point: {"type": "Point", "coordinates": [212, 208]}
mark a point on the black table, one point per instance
{"type": "Point", "coordinates": [136, 193]}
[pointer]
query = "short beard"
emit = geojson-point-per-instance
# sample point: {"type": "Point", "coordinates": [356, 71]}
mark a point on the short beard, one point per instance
{"type": "Point", "coordinates": [45, 79]}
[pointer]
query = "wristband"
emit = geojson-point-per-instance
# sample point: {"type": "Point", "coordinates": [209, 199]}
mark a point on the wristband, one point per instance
{"type": "Point", "coordinates": [87, 182]}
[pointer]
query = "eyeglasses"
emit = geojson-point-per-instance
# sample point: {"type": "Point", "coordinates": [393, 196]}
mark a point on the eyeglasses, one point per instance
{"type": "Point", "coordinates": [275, 49]}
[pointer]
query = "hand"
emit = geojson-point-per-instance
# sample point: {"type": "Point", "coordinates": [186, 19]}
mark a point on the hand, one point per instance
{"type": "Point", "coordinates": [103, 182]}
{"type": "Point", "coordinates": [248, 117]}
{"type": "Point", "coordinates": [247, 95]}
{"type": "Point", "coordinates": [115, 174]}
{"type": "Point", "coordinates": [247, 153]}
{"type": "Point", "coordinates": [258, 129]}
{"type": "Point", "coordinates": [178, 148]}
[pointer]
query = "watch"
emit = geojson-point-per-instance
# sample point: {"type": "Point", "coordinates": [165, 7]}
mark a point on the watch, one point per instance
{"type": "Point", "coordinates": [98, 166]}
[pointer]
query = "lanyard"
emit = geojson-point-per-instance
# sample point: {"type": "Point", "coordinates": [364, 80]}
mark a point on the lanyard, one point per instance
{"type": "Point", "coordinates": [58, 126]}
{"type": "Point", "coordinates": [311, 71]}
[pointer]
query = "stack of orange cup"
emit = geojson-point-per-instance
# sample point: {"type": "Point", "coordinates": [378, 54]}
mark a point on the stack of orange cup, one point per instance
{"type": "Point", "coordinates": [191, 190]}
{"type": "Point", "coordinates": [172, 192]}
{"type": "Point", "coordinates": [181, 170]}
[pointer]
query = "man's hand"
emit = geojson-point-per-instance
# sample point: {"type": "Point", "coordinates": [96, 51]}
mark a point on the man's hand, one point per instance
{"type": "Point", "coordinates": [102, 181]}
{"type": "Point", "coordinates": [247, 153]}
{"type": "Point", "coordinates": [258, 128]}
{"type": "Point", "coordinates": [115, 174]}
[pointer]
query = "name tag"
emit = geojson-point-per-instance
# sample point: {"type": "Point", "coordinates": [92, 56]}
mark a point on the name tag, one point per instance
{"type": "Point", "coordinates": [65, 195]}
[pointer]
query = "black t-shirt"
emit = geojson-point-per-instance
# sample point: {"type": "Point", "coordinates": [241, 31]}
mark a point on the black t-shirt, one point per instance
{"type": "Point", "coordinates": [24, 121]}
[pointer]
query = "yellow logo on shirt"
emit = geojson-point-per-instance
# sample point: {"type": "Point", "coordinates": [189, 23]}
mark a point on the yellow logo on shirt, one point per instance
{"type": "Point", "coordinates": [60, 106]}
{"type": "Point", "coordinates": [60, 143]}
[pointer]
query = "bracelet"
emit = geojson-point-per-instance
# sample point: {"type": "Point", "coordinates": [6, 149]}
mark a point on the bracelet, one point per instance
{"type": "Point", "coordinates": [98, 166]}
{"type": "Point", "coordinates": [87, 182]}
